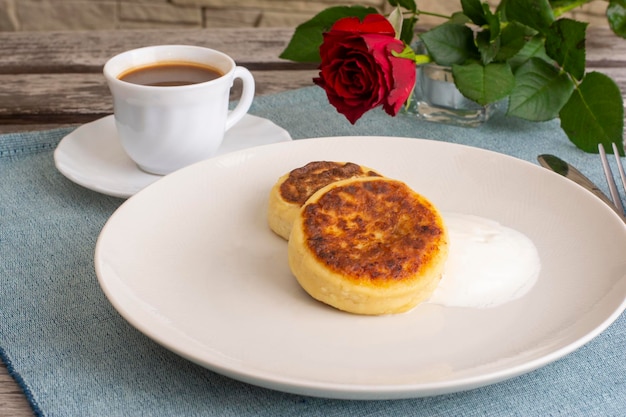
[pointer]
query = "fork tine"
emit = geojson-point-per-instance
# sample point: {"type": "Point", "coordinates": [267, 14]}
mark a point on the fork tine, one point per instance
{"type": "Point", "coordinates": [620, 166]}
{"type": "Point", "coordinates": [610, 180]}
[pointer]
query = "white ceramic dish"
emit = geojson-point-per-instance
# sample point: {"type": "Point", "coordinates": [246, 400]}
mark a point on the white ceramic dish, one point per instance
{"type": "Point", "coordinates": [92, 155]}
{"type": "Point", "coordinates": [191, 263]}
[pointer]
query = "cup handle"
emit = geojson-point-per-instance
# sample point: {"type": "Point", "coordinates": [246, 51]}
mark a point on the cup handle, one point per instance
{"type": "Point", "coordinates": [247, 95]}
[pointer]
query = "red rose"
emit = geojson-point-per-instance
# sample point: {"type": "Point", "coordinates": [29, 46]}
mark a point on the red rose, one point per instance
{"type": "Point", "coordinates": [358, 70]}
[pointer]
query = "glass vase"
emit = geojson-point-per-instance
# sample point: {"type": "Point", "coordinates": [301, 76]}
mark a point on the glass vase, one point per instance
{"type": "Point", "coordinates": [437, 99]}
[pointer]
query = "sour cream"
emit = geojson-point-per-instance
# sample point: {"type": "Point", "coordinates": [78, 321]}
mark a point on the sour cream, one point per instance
{"type": "Point", "coordinates": [488, 264]}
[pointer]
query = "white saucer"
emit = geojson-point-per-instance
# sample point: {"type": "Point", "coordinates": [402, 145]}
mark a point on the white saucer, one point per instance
{"type": "Point", "coordinates": [93, 157]}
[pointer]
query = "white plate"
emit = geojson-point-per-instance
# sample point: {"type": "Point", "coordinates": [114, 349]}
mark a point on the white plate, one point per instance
{"type": "Point", "coordinates": [92, 155]}
{"type": "Point", "coordinates": [190, 262]}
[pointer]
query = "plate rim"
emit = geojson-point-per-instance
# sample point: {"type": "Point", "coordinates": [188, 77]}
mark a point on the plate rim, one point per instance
{"type": "Point", "coordinates": [351, 391]}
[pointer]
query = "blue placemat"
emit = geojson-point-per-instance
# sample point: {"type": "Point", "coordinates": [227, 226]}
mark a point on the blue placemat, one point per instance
{"type": "Point", "coordinates": [75, 356]}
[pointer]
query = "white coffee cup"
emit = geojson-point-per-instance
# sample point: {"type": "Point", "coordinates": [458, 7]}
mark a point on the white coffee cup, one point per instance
{"type": "Point", "coordinates": [163, 128]}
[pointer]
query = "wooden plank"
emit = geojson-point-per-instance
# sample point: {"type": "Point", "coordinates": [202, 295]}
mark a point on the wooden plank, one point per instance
{"type": "Point", "coordinates": [59, 52]}
{"type": "Point", "coordinates": [605, 49]}
{"type": "Point", "coordinates": [56, 52]}
{"type": "Point", "coordinates": [80, 98]}
{"type": "Point", "coordinates": [32, 127]}
{"type": "Point", "coordinates": [12, 400]}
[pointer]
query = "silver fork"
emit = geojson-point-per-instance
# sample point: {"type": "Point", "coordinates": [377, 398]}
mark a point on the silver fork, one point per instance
{"type": "Point", "coordinates": [609, 175]}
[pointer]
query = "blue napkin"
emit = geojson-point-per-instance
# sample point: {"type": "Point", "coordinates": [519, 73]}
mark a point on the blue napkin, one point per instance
{"type": "Point", "coordinates": [75, 356]}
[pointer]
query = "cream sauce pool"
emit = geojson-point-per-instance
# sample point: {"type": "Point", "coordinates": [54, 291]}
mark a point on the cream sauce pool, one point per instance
{"type": "Point", "coordinates": [488, 264]}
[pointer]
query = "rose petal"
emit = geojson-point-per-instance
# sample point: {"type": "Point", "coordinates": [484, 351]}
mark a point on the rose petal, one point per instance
{"type": "Point", "coordinates": [372, 23]}
{"type": "Point", "coordinates": [403, 74]}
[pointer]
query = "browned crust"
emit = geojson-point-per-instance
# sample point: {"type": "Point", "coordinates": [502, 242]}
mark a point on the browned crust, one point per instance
{"type": "Point", "coordinates": [303, 182]}
{"type": "Point", "coordinates": [376, 232]}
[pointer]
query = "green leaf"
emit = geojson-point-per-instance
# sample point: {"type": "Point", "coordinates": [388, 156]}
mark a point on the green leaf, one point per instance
{"type": "Point", "coordinates": [450, 44]}
{"type": "Point", "coordinates": [616, 15]}
{"type": "Point", "coordinates": [534, 48]}
{"type": "Point", "coordinates": [488, 40]}
{"type": "Point", "coordinates": [501, 8]}
{"type": "Point", "coordinates": [483, 84]}
{"type": "Point", "coordinates": [560, 7]}
{"type": "Point", "coordinates": [493, 22]}
{"type": "Point", "coordinates": [407, 4]}
{"type": "Point", "coordinates": [536, 14]}
{"type": "Point", "coordinates": [540, 91]}
{"type": "Point", "coordinates": [304, 45]}
{"type": "Point", "coordinates": [488, 49]}
{"type": "Point", "coordinates": [512, 40]}
{"type": "Point", "coordinates": [565, 43]}
{"type": "Point", "coordinates": [408, 30]}
{"type": "Point", "coordinates": [459, 18]}
{"type": "Point", "coordinates": [473, 9]}
{"type": "Point", "coordinates": [594, 113]}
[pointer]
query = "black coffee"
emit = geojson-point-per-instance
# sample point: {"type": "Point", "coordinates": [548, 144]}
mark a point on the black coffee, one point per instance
{"type": "Point", "coordinates": [169, 74]}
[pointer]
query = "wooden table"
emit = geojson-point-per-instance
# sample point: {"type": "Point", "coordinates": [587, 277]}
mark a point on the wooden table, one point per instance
{"type": "Point", "coordinates": [50, 80]}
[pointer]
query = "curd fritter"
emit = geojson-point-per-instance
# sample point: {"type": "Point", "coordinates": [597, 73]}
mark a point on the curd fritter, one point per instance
{"type": "Point", "coordinates": [292, 190]}
{"type": "Point", "coordinates": [368, 245]}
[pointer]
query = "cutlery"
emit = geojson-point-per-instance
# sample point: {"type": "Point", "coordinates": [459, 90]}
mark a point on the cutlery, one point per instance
{"type": "Point", "coordinates": [609, 175]}
{"type": "Point", "coordinates": [556, 164]}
